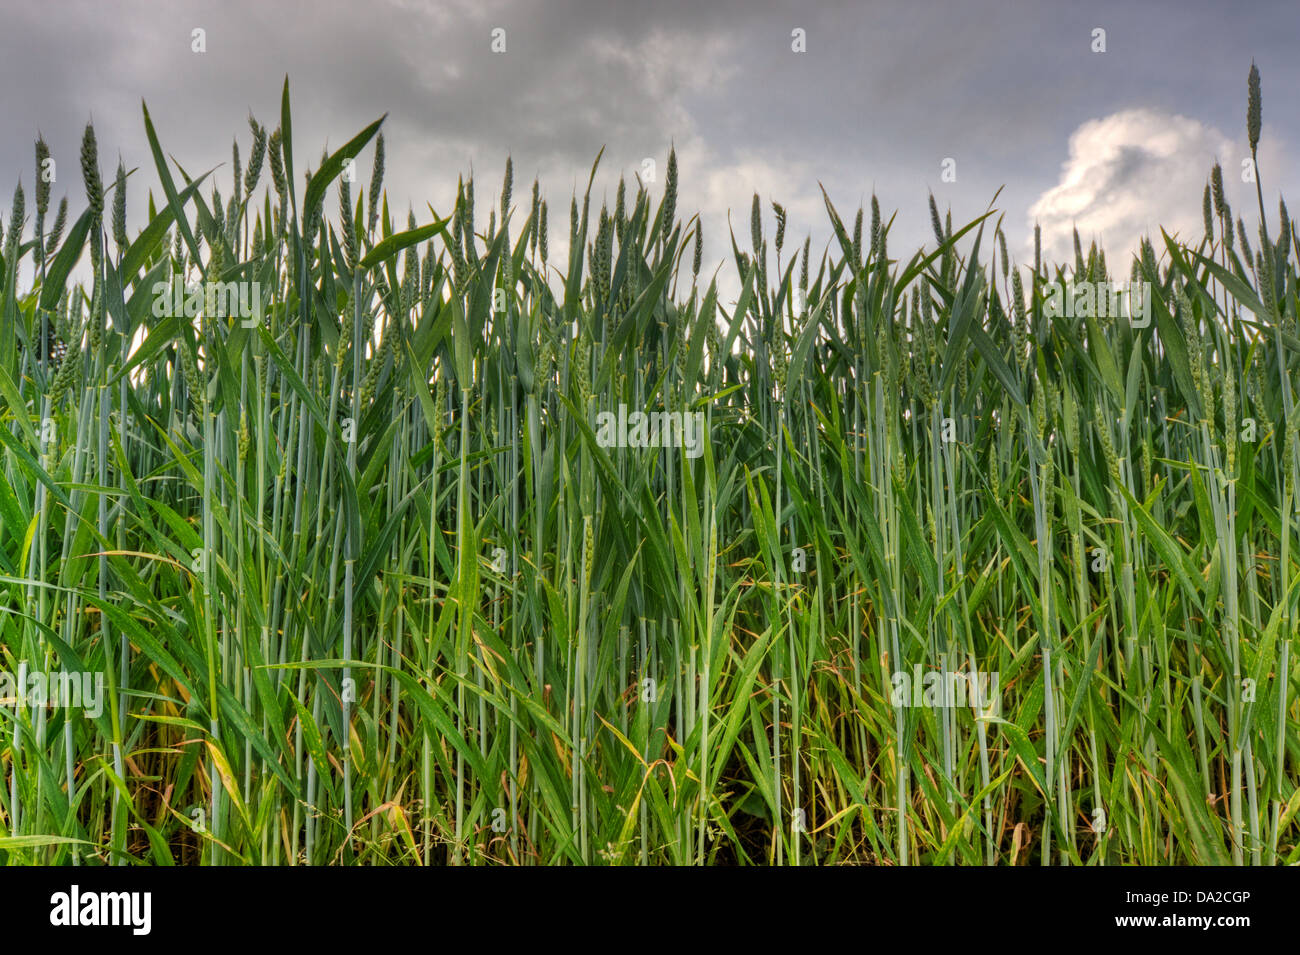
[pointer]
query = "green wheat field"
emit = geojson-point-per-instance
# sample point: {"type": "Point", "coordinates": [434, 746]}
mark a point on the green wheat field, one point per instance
{"type": "Point", "coordinates": [322, 515]}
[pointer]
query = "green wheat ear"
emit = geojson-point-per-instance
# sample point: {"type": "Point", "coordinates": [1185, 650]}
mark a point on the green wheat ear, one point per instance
{"type": "Point", "coordinates": [1254, 110]}
{"type": "Point", "coordinates": [17, 211]}
{"type": "Point", "coordinates": [507, 186]}
{"type": "Point", "coordinates": [875, 225]}
{"type": "Point", "coordinates": [347, 226]}
{"type": "Point", "coordinates": [541, 233]}
{"type": "Point", "coordinates": [42, 186]}
{"type": "Point", "coordinates": [1244, 239]}
{"type": "Point", "coordinates": [534, 215]}
{"type": "Point", "coordinates": [856, 255]}
{"type": "Point", "coordinates": [90, 172]}
{"type": "Point", "coordinates": [56, 230]}
{"type": "Point", "coordinates": [237, 170]}
{"type": "Point", "coordinates": [119, 208]}
{"type": "Point", "coordinates": [670, 193]}
{"type": "Point", "coordinates": [377, 184]}
{"type": "Point", "coordinates": [276, 159]}
{"type": "Point", "coordinates": [803, 266]}
{"type": "Point", "coordinates": [67, 373]}
{"type": "Point", "coordinates": [1019, 320]}
{"type": "Point", "coordinates": [256, 157]}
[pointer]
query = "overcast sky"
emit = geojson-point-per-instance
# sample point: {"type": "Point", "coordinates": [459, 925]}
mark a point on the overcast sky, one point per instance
{"type": "Point", "coordinates": [1118, 142]}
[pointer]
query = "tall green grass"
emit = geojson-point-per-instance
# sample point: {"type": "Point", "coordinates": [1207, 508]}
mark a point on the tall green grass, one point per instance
{"type": "Point", "coordinates": [365, 587]}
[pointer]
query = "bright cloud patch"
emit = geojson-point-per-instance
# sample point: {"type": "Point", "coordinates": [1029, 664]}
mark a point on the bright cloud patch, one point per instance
{"type": "Point", "coordinates": [1128, 175]}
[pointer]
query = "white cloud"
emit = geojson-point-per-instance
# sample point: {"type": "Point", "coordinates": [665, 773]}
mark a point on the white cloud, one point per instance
{"type": "Point", "coordinates": [1128, 175]}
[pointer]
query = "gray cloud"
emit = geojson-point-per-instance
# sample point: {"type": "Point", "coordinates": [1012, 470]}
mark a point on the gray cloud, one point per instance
{"type": "Point", "coordinates": [884, 93]}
